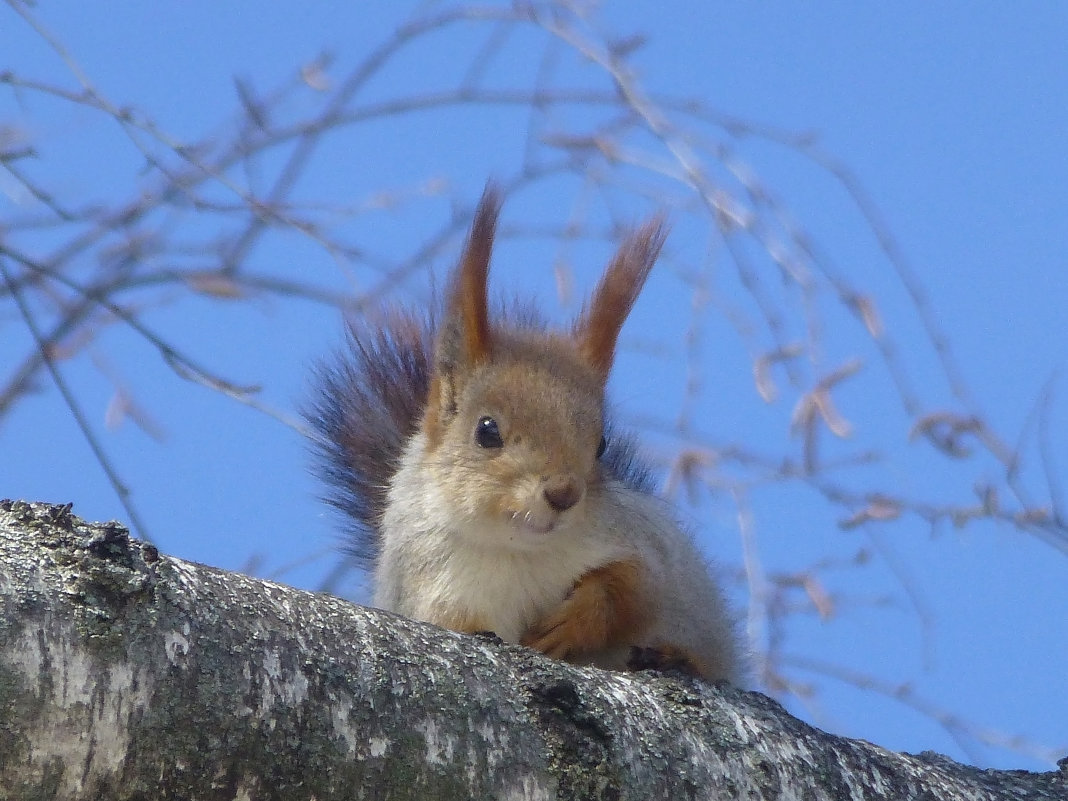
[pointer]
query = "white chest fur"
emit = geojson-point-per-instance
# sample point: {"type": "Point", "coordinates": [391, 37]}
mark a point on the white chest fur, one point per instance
{"type": "Point", "coordinates": [451, 576]}
{"type": "Point", "coordinates": [506, 590]}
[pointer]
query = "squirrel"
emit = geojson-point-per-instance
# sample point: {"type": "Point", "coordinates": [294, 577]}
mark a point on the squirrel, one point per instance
{"type": "Point", "coordinates": [486, 490]}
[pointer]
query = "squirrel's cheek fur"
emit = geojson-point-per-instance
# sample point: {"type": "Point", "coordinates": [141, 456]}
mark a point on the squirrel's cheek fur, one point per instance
{"type": "Point", "coordinates": [509, 503]}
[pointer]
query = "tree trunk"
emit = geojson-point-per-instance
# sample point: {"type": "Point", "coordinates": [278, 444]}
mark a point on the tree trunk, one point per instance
{"type": "Point", "coordinates": [125, 674]}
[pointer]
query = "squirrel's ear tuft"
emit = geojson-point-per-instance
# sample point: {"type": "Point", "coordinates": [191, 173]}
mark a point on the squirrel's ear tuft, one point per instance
{"type": "Point", "coordinates": [601, 320]}
{"type": "Point", "coordinates": [464, 339]}
{"type": "Point", "coordinates": [465, 333]}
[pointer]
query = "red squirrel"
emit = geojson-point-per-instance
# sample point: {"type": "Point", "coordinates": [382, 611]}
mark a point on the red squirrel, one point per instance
{"type": "Point", "coordinates": [487, 491]}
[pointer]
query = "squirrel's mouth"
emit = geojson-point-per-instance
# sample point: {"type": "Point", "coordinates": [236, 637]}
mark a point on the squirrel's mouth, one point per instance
{"type": "Point", "coordinates": [533, 522]}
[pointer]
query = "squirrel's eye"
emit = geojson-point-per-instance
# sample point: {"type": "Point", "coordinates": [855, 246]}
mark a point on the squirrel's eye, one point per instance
{"type": "Point", "coordinates": [602, 446]}
{"type": "Point", "coordinates": [487, 435]}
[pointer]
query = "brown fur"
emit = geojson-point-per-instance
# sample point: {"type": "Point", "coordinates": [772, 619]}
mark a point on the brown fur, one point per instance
{"type": "Point", "coordinates": [432, 423]}
{"type": "Point", "coordinates": [468, 301]}
{"type": "Point", "coordinates": [598, 327]}
{"type": "Point", "coordinates": [605, 608]}
{"type": "Point", "coordinates": [464, 341]}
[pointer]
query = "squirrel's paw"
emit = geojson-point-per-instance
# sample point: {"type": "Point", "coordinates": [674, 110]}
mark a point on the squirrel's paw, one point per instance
{"type": "Point", "coordinates": [580, 623]}
{"type": "Point", "coordinates": [569, 629]}
{"type": "Point", "coordinates": [603, 606]}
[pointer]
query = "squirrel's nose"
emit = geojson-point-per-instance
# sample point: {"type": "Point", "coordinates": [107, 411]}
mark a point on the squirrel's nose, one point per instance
{"type": "Point", "coordinates": [562, 492]}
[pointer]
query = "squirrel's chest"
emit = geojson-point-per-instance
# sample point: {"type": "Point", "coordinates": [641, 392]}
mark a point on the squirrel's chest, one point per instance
{"type": "Point", "coordinates": [505, 594]}
{"type": "Point", "coordinates": [497, 589]}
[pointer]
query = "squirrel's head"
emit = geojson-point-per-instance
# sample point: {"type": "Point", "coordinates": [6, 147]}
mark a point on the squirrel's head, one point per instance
{"type": "Point", "coordinates": [515, 416]}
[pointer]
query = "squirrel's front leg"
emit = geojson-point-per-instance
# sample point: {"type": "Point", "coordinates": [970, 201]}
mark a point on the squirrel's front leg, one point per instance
{"type": "Point", "coordinates": [604, 608]}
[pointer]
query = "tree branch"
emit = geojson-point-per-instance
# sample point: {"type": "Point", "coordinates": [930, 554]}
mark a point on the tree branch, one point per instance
{"type": "Point", "coordinates": [127, 674]}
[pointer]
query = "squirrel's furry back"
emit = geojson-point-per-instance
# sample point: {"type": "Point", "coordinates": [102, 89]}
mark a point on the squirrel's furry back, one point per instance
{"type": "Point", "coordinates": [369, 399]}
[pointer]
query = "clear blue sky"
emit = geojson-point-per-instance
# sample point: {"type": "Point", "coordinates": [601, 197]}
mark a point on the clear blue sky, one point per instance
{"type": "Point", "coordinates": [953, 117]}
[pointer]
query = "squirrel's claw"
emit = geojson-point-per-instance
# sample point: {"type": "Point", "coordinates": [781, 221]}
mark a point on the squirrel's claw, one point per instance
{"type": "Point", "coordinates": [554, 636]}
{"type": "Point", "coordinates": [576, 625]}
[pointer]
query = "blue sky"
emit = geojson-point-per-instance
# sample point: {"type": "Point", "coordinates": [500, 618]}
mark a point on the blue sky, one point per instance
{"type": "Point", "coordinates": [954, 120]}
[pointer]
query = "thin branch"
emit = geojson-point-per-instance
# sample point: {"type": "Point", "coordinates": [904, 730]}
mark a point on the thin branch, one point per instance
{"type": "Point", "coordinates": [120, 488]}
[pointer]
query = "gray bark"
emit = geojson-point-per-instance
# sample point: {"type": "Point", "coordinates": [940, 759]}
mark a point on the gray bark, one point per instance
{"type": "Point", "coordinates": [125, 674]}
